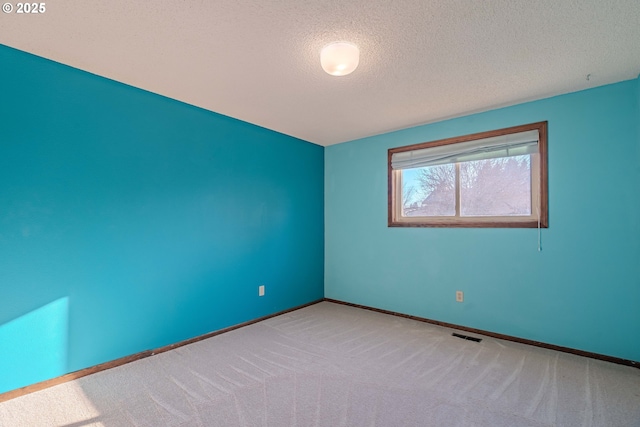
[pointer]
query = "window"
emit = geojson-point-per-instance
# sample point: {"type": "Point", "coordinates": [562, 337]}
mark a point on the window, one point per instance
{"type": "Point", "coordinates": [489, 179]}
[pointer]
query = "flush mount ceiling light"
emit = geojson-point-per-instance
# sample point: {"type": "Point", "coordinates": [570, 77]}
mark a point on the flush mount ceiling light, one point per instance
{"type": "Point", "coordinates": [340, 58]}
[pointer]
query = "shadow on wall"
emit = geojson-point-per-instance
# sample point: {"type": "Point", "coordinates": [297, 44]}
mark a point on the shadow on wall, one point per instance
{"type": "Point", "coordinates": [34, 346]}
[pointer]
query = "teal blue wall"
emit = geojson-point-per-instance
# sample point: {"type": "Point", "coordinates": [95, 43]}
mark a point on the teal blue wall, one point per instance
{"type": "Point", "coordinates": [582, 290]}
{"type": "Point", "coordinates": [638, 115]}
{"type": "Point", "coordinates": [129, 221]}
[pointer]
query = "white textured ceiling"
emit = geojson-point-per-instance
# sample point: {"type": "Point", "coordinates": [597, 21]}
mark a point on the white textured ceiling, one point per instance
{"type": "Point", "coordinates": [420, 61]}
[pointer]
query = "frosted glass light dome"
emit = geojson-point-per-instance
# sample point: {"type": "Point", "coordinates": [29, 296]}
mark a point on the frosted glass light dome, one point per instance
{"type": "Point", "coordinates": [339, 59]}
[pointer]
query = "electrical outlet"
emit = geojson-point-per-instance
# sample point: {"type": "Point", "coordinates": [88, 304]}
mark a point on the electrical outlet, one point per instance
{"type": "Point", "coordinates": [459, 296]}
{"type": "Point", "coordinates": [261, 290]}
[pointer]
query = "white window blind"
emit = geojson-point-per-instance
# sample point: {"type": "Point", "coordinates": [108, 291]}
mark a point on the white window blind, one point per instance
{"type": "Point", "coordinates": [514, 144]}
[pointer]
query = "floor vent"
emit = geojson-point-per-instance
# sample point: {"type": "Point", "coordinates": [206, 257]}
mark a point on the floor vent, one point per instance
{"type": "Point", "coordinates": [465, 337]}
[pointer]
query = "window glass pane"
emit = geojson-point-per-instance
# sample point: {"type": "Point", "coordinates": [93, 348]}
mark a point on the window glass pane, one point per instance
{"type": "Point", "coordinates": [496, 187]}
{"type": "Point", "coordinates": [429, 191]}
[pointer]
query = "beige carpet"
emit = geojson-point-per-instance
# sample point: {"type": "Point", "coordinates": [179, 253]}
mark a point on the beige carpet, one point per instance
{"type": "Point", "coordinates": [332, 365]}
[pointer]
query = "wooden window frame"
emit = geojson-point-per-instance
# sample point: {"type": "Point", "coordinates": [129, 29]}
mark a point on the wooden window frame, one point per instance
{"type": "Point", "coordinates": [539, 170]}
